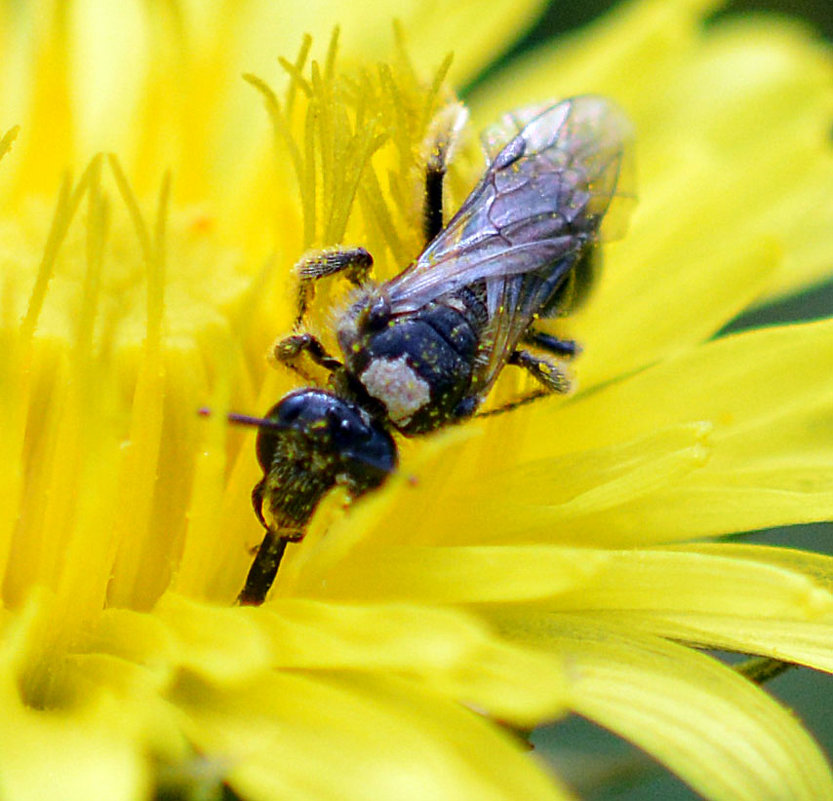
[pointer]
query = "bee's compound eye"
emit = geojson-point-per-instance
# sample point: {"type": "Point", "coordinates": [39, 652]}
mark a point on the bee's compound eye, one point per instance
{"type": "Point", "coordinates": [290, 408]}
{"type": "Point", "coordinates": [309, 411]}
{"type": "Point", "coordinates": [346, 427]}
{"type": "Point", "coordinates": [265, 446]}
{"type": "Point", "coordinates": [366, 450]}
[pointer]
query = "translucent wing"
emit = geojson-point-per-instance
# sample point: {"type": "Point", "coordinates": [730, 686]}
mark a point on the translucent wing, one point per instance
{"type": "Point", "coordinates": [591, 116]}
{"type": "Point", "coordinates": [542, 197]}
{"type": "Point", "coordinates": [554, 172]}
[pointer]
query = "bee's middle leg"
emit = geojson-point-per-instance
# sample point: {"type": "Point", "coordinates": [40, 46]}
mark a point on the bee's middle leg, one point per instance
{"type": "Point", "coordinates": [565, 348]}
{"type": "Point", "coordinates": [288, 350]}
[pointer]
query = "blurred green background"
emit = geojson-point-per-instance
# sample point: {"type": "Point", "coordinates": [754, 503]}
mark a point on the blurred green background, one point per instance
{"type": "Point", "coordinates": [564, 16]}
{"type": "Point", "coordinates": [591, 759]}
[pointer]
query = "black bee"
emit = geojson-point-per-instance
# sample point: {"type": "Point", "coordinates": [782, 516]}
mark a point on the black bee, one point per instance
{"type": "Point", "coordinates": [423, 349]}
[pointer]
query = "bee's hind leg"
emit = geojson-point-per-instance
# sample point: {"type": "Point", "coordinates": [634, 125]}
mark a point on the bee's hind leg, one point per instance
{"type": "Point", "coordinates": [354, 262]}
{"type": "Point", "coordinates": [537, 394]}
{"type": "Point", "coordinates": [543, 370]}
{"type": "Point", "coordinates": [438, 149]}
{"type": "Point", "coordinates": [546, 372]}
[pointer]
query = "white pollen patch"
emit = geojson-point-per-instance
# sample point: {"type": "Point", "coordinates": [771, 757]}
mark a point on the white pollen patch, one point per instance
{"type": "Point", "coordinates": [395, 383]}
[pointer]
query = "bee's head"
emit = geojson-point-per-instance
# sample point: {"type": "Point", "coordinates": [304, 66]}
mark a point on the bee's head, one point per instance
{"type": "Point", "coordinates": [306, 444]}
{"type": "Point", "coordinates": [326, 432]}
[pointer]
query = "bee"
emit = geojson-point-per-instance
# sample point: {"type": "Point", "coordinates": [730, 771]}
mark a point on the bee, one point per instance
{"type": "Point", "coordinates": [424, 349]}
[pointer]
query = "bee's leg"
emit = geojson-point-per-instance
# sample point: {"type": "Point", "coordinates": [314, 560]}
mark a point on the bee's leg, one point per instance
{"type": "Point", "coordinates": [257, 502]}
{"type": "Point", "coordinates": [265, 565]}
{"type": "Point", "coordinates": [439, 145]}
{"type": "Point", "coordinates": [542, 369]}
{"type": "Point", "coordinates": [565, 348]}
{"type": "Point", "coordinates": [507, 407]}
{"type": "Point", "coordinates": [264, 568]}
{"type": "Point", "coordinates": [432, 207]}
{"type": "Point", "coordinates": [289, 349]}
{"type": "Point", "coordinates": [355, 263]}
{"type": "Point", "coordinates": [578, 286]}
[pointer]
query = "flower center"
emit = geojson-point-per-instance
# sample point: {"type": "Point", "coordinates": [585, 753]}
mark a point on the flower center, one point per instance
{"type": "Point", "coordinates": [124, 337]}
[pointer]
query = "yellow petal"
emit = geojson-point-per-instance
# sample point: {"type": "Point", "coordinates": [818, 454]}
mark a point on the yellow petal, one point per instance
{"type": "Point", "coordinates": [757, 87]}
{"type": "Point", "coordinates": [625, 40]}
{"type": "Point", "coordinates": [454, 575]}
{"type": "Point", "coordinates": [438, 647]}
{"type": "Point", "coordinates": [331, 737]}
{"type": "Point", "coordinates": [60, 737]}
{"type": "Point", "coordinates": [697, 579]}
{"type": "Point", "coordinates": [721, 734]}
{"type": "Point", "coordinates": [750, 388]}
{"type": "Point", "coordinates": [448, 650]}
{"type": "Point", "coordinates": [789, 640]}
{"type": "Point", "coordinates": [91, 93]}
{"type": "Point", "coordinates": [49, 755]}
{"type": "Point", "coordinates": [783, 620]}
{"type": "Point", "coordinates": [486, 498]}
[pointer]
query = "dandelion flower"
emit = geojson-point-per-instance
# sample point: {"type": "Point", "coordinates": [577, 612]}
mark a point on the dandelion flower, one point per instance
{"type": "Point", "coordinates": [564, 556]}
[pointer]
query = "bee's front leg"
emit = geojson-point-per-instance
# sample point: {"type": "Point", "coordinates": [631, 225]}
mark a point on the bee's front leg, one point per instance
{"type": "Point", "coordinates": [265, 566]}
{"type": "Point", "coordinates": [354, 262]}
{"type": "Point", "coordinates": [263, 570]}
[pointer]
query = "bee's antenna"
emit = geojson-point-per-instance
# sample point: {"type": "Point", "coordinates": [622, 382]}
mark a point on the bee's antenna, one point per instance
{"type": "Point", "coordinates": [248, 420]}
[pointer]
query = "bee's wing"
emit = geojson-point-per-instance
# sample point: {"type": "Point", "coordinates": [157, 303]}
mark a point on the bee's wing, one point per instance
{"type": "Point", "coordinates": [552, 175]}
{"type": "Point", "coordinates": [593, 129]}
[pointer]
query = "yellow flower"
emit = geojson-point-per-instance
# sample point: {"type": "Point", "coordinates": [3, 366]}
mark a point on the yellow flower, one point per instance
{"type": "Point", "coordinates": [515, 568]}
